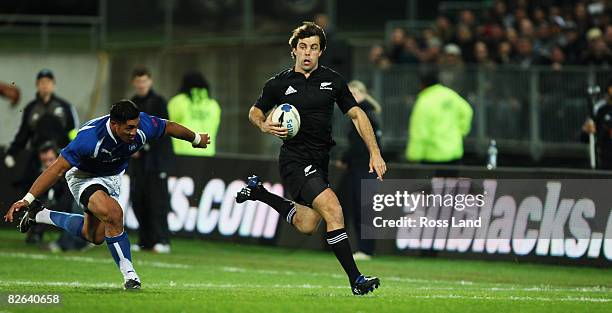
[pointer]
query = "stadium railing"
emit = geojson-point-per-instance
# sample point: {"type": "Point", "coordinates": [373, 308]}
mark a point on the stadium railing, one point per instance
{"type": "Point", "coordinates": [531, 112]}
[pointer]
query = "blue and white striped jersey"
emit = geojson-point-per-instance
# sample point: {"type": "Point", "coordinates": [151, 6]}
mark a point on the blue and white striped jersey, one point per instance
{"type": "Point", "coordinates": [97, 151]}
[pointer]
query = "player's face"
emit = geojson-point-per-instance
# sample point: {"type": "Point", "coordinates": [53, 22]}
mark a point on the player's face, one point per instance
{"type": "Point", "coordinates": [126, 131]}
{"type": "Point", "coordinates": [45, 86]}
{"type": "Point", "coordinates": [142, 85]}
{"type": "Point", "coordinates": [47, 158]}
{"type": "Point", "coordinates": [307, 54]}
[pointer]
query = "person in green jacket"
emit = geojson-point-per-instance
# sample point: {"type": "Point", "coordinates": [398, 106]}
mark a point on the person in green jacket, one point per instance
{"type": "Point", "coordinates": [194, 108]}
{"type": "Point", "coordinates": [440, 120]}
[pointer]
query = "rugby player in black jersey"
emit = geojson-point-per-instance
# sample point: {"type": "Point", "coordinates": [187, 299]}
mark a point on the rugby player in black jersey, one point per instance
{"type": "Point", "coordinates": [303, 159]}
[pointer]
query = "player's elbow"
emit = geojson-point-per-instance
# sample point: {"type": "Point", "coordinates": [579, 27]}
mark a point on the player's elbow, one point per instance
{"type": "Point", "coordinates": [356, 113]}
{"type": "Point", "coordinates": [170, 128]}
{"type": "Point", "coordinates": [254, 113]}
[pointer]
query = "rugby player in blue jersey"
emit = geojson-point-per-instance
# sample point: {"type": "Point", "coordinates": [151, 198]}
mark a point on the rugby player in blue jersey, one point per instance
{"type": "Point", "coordinates": [93, 164]}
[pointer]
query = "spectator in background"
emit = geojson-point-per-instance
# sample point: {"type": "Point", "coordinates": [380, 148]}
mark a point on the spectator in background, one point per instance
{"type": "Point", "coordinates": [519, 15]}
{"type": "Point", "coordinates": [149, 172]}
{"type": "Point", "coordinates": [46, 118]}
{"type": "Point", "coordinates": [465, 41]}
{"type": "Point", "coordinates": [481, 55]}
{"type": "Point", "coordinates": [356, 159]}
{"type": "Point", "coordinates": [338, 54]}
{"type": "Point", "coordinates": [544, 41]}
{"type": "Point", "coordinates": [194, 108]}
{"type": "Point", "coordinates": [526, 29]}
{"type": "Point", "coordinates": [444, 29]}
{"type": "Point", "coordinates": [452, 70]}
{"type": "Point", "coordinates": [554, 12]}
{"type": "Point", "coordinates": [467, 18]}
{"type": "Point", "coordinates": [524, 57]}
{"type": "Point", "coordinates": [557, 59]}
{"type": "Point", "coordinates": [58, 198]}
{"type": "Point", "coordinates": [504, 52]}
{"type": "Point", "coordinates": [439, 121]}
{"type": "Point", "coordinates": [500, 15]}
{"type": "Point", "coordinates": [601, 126]}
{"type": "Point", "coordinates": [397, 44]}
{"type": "Point", "coordinates": [597, 53]}
{"type": "Point", "coordinates": [412, 53]}
{"type": "Point", "coordinates": [433, 44]}
{"type": "Point", "coordinates": [572, 43]}
{"type": "Point", "coordinates": [581, 17]}
{"type": "Point", "coordinates": [512, 36]}
{"type": "Point", "coordinates": [539, 16]}
{"type": "Point", "coordinates": [608, 36]}
{"type": "Point", "coordinates": [378, 58]}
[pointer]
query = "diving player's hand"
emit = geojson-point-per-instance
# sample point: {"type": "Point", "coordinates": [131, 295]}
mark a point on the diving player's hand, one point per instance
{"type": "Point", "coordinates": [16, 207]}
{"type": "Point", "coordinates": [204, 141]}
{"type": "Point", "coordinates": [274, 128]}
{"type": "Point", "coordinates": [378, 164]}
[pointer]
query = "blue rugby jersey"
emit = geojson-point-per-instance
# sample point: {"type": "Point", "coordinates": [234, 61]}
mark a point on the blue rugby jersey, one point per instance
{"type": "Point", "coordinates": [97, 151]}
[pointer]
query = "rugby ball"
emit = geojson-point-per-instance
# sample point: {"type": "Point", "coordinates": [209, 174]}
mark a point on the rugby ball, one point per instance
{"type": "Point", "coordinates": [289, 117]}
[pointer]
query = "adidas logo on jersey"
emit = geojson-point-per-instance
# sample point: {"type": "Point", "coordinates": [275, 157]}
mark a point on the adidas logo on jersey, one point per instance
{"type": "Point", "coordinates": [290, 90]}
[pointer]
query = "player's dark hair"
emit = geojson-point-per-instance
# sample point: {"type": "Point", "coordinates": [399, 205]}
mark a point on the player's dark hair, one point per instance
{"type": "Point", "coordinates": [193, 79]}
{"type": "Point", "coordinates": [141, 71]}
{"type": "Point", "coordinates": [307, 29]}
{"type": "Point", "coordinates": [48, 145]}
{"type": "Point", "coordinates": [123, 111]}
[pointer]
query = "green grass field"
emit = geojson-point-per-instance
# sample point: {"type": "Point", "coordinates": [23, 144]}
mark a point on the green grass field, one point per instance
{"type": "Point", "coordinates": [202, 276]}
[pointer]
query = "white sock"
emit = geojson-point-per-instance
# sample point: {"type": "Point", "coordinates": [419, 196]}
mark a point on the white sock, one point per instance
{"type": "Point", "coordinates": [44, 217]}
{"type": "Point", "coordinates": [127, 269]}
{"type": "Point", "coordinates": [125, 265]}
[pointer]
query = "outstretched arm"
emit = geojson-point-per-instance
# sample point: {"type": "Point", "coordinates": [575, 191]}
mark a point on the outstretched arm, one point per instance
{"type": "Point", "coordinates": [178, 131]}
{"type": "Point", "coordinates": [364, 128]}
{"type": "Point", "coordinates": [46, 180]}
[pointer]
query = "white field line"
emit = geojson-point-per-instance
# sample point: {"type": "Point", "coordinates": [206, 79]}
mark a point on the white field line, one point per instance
{"type": "Point", "coordinates": [465, 285]}
{"type": "Point", "coordinates": [515, 298]}
{"type": "Point", "coordinates": [83, 259]}
{"type": "Point", "coordinates": [9, 283]}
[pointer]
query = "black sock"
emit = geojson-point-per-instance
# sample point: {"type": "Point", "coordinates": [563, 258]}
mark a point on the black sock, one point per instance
{"type": "Point", "coordinates": [284, 207]}
{"type": "Point", "coordinates": [338, 241]}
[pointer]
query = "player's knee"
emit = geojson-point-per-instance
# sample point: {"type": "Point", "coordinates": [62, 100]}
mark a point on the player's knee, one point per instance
{"type": "Point", "coordinates": [310, 230]}
{"type": "Point", "coordinates": [114, 217]}
{"type": "Point", "coordinates": [307, 225]}
{"type": "Point", "coordinates": [109, 213]}
{"type": "Point", "coordinates": [312, 226]}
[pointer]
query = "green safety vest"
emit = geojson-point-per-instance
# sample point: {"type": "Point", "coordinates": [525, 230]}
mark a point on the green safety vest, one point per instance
{"type": "Point", "coordinates": [202, 115]}
{"type": "Point", "coordinates": [440, 120]}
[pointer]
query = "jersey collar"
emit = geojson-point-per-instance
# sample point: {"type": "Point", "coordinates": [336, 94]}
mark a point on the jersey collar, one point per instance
{"type": "Point", "coordinates": [317, 70]}
{"type": "Point", "coordinates": [110, 132]}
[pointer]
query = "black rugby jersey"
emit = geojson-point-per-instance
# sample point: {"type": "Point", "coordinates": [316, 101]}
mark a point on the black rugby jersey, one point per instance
{"type": "Point", "coordinates": [314, 98]}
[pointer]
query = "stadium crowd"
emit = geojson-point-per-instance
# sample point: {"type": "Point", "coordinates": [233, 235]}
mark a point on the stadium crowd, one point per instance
{"type": "Point", "coordinates": [524, 33]}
